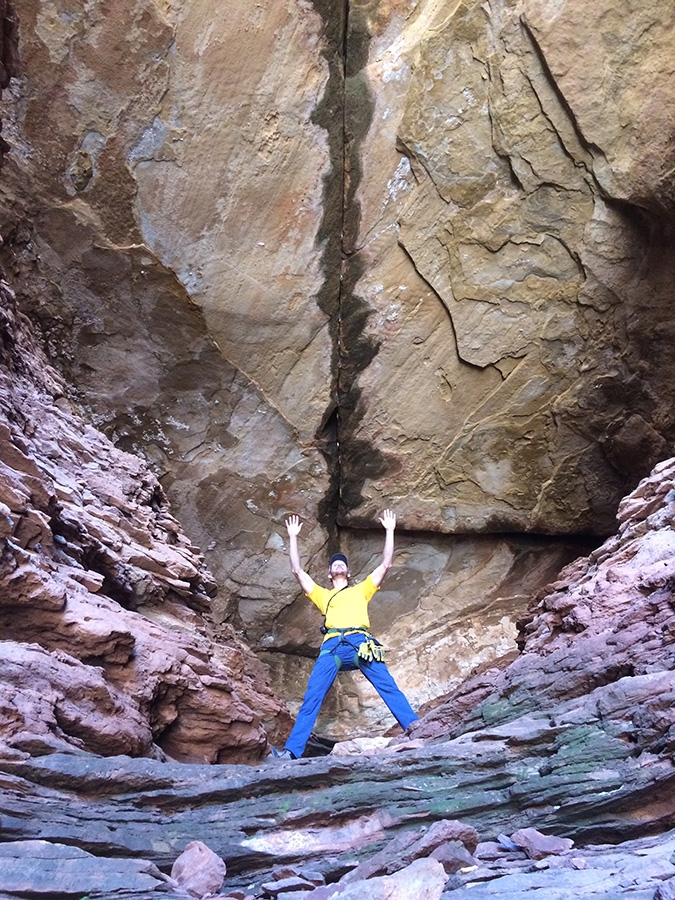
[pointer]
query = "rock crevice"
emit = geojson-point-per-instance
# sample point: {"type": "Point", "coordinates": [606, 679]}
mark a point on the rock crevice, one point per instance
{"type": "Point", "coordinates": [345, 112]}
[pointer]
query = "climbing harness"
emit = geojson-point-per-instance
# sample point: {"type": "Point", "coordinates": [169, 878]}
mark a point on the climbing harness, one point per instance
{"type": "Point", "coordinates": [369, 650]}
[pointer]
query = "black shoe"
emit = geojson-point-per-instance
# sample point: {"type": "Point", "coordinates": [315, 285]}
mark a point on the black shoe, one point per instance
{"type": "Point", "coordinates": [282, 754]}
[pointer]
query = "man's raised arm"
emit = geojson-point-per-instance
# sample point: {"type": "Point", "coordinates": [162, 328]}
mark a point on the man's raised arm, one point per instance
{"type": "Point", "coordinates": [388, 520]}
{"type": "Point", "coordinates": [293, 526]}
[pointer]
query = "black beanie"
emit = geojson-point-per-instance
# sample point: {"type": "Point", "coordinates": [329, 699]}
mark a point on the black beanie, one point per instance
{"type": "Point", "coordinates": [338, 557]}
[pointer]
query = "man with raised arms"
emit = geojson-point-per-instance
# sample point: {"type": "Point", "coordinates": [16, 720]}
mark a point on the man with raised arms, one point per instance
{"type": "Point", "coordinates": [348, 643]}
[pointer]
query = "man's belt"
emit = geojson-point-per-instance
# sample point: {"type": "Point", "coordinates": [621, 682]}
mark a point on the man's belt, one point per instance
{"type": "Point", "coordinates": [369, 650]}
{"type": "Point", "coordinates": [343, 632]}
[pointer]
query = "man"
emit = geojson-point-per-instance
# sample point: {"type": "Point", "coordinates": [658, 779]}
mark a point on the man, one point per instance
{"type": "Point", "coordinates": [348, 643]}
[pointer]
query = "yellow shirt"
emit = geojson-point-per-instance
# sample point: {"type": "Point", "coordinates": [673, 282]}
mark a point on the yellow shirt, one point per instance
{"type": "Point", "coordinates": [349, 608]}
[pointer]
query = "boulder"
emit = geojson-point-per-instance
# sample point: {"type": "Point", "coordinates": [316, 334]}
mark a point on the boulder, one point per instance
{"type": "Point", "coordinates": [538, 845]}
{"type": "Point", "coordinates": [424, 878]}
{"type": "Point", "coordinates": [199, 870]}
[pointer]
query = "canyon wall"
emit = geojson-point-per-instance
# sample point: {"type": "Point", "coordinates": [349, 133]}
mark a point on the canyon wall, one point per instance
{"type": "Point", "coordinates": [105, 644]}
{"type": "Point", "coordinates": [324, 259]}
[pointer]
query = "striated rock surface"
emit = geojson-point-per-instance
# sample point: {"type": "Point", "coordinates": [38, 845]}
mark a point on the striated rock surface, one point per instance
{"type": "Point", "coordinates": [325, 259]}
{"type": "Point", "coordinates": [104, 646]}
{"type": "Point", "coordinates": [609, 618]}
{"type": "Point", "coordinates": [43, 869]}
{"type": "Point", "coordinates": [513, 251]}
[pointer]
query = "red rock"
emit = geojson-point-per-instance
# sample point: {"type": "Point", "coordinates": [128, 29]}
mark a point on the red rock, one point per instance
{"type": "Point", "coordinates": [199, 870]}
{"type": "Point", "coordinates": [405, 848]}
{"type": "Point", "coordinates": [55, 701]}
{"type": "Point", "coordinates": [607, 615]}
{"type": "Point", "coordinates": [538, 845]}
{"type": "Point", "coordinates": [448, 830]}
{"type": "Point", "coordinates": [453, 856]}
{"type": "Point", "coordinates": [99, 567]}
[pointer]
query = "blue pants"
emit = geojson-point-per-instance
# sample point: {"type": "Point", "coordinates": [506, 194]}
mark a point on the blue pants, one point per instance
{"type": "Point", "coordinates": [323, 675]}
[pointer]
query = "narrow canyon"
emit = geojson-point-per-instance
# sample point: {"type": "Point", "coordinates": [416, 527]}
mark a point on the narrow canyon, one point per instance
{"type": "Point", "coordinates": [323, 259]}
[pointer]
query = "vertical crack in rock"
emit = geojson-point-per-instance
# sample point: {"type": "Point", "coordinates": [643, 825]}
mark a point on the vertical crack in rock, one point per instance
{"type": "Point", "coordinates": [9, 57]}
{"type": "Point", "coordinates": [329, 113]}
{"type": "Point", "coordinates": [345, 112]}
{"type": "Point", "coordinates": [585, 146]}
{"type": "Point", "coordinates": [9, 44]}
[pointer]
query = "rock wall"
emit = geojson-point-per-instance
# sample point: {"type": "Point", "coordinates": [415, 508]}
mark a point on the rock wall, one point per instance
{"type": "Point", "coordinates": [323, 259]}
{"type": "Point", "coordinates": [525, 222]}
{"type": "Point", "coordinates": [105, 647]}
{"type": "Point", "coordinates": [603, 629]}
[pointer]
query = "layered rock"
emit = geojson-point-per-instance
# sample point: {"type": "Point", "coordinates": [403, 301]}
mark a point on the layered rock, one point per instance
{"type": "Point", "coordinates": [38, 868]}
{"type": "Point", "coordinates": [323, 261]}
{"type": "Point", "coordinates": [608, 618]}
{"type": "Point", "coordinates": [101, 593]}
{"type": "Point", "coordinates": [519, 782]}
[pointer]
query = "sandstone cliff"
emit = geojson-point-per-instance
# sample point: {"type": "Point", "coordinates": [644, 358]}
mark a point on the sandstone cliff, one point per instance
{"type": "Point", "coordinates": [324, 258]}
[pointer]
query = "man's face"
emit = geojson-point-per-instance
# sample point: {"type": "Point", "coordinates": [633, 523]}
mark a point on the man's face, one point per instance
{"type": "Point", "coordinates": [339, 568]}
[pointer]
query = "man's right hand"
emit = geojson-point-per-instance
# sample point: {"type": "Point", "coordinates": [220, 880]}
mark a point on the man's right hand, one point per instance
{"type": "Point", "coordinates": [388, 519]}
{"type": "Point", "coordinates": [293, 526]}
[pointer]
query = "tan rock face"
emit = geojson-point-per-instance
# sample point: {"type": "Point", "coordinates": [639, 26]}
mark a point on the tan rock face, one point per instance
{"type": "Point", "coordinates": [435, 615]}
{"type": "Point", "coordinates": [135, 276]}
{"type": "Point", "coordinates": [323, 262]}
{"type": "Point", "coordinates": [509, 275]}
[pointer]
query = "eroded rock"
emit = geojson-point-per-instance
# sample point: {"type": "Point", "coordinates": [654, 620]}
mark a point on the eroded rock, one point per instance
{"type": "Point", "coordinates": [539, 846]}
{"type": "Point", "coordinates": [502, 220]}
{"type": "Point", "coordinates": [41, 869]}
{"type": "Point", "coordinates": [199, 870]}
{"type": "Point", "coordinates": [318, 263]}
{"type": "Point", "coordinates": [605, 623]}
{"type": "Point", "coordinates": [101, 593]}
